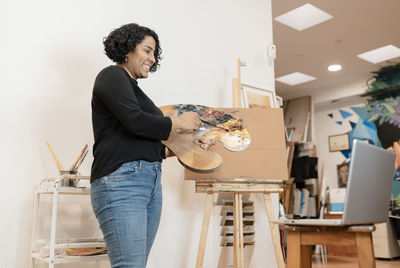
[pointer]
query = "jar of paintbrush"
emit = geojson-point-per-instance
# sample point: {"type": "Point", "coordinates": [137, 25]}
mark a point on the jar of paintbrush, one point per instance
{"type": "Point", "coordinates": [68, 181]}
{"type": "Point", "coordinates": [69, 177]}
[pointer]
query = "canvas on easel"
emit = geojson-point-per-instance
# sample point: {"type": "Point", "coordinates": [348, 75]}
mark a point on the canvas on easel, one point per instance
{"type": "Point", "coordinates": [266, 155]}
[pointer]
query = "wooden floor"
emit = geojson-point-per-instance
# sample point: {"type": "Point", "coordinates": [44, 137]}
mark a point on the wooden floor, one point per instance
{"type": "Point", "coordinates": [351, 262]}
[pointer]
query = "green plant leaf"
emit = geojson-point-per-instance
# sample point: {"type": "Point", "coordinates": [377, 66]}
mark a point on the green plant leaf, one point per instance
{"type": "Point", "coordinates": [377, 85]}
{"type": "Point", "coordinates": [382, 120]}
{"type": "Point", "coordinates": [373, 118]}
{"type": "Point", "coordinates": [386, 117]}
{"type": "Point", "coordinates": [388, 107]}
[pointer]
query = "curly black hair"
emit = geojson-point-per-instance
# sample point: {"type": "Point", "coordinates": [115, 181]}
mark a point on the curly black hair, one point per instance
{"type": "Point", "coordinates": [125, 39]}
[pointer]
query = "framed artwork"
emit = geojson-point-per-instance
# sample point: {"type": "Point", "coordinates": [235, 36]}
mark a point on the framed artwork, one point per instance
{"type": "Point", "coordinates": [343, 174]}
{"type": "Point", "coordinates": [339, 142]}
{"type": "Point", "coordinates": [258, 98]}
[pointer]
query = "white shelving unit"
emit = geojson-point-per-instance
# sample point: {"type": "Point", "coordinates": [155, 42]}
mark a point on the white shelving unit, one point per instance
{"type": "Point", "coordinates": [52, 251]}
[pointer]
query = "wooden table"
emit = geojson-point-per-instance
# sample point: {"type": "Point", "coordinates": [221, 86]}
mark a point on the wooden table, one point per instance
{"type": "Point", "coordinates": [350, 251]}
{"type": "Point", "coordinates": [301, 238]}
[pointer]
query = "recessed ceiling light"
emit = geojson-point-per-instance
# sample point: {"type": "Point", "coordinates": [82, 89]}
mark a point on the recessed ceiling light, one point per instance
{"type": "Point", "coordinates": [380, 54]}
{"type": "Point", "coordinates": [295, 78]}
{"type": "Point", "coordinates": [303, 17]}
{"type": "Point", "coordinates": [335, 67]}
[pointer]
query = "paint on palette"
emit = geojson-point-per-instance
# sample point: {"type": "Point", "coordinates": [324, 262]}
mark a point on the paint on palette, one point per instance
{"type": "Point", "coordinates": [217, 126]}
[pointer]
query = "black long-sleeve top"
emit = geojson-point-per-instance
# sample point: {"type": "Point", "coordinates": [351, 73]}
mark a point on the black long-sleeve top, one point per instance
{"type": "Point", "coordinates": [127, 125]}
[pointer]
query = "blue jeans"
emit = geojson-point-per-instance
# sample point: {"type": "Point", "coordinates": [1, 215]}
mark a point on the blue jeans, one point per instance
{"type": "Point", "coordinates": [127, 204]}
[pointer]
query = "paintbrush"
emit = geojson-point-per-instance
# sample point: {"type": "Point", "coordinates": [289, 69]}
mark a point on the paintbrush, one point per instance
{"type": "Point", "coordinates": [204, 121]}
{"type": "Point", "coordinates": [79, 157]}
{"type": "Point", "coordinates": [81, 160]}
{"type": "Point", "coordinates": [60, 167]}
{"type": "Point", "coordinates": [213, 124]}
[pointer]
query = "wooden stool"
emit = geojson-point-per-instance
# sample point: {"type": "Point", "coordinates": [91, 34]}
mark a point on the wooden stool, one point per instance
{"type": "Point", "coordinates": [301, 238]}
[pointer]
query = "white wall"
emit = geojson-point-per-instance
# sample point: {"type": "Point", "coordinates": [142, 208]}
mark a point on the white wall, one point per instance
{"type": "Point", "coordinates": [50, 53]}
{"type": "Point", "coordinates": [326, 126]}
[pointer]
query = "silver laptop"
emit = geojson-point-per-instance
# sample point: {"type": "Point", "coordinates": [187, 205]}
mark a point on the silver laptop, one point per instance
{"type": "Point", "coordinates": [368, 189]}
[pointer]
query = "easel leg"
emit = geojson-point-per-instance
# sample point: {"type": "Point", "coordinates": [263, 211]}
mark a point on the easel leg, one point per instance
{"type": "Point", "coordinates": [238, 251]}
{"type": "Point", "coordinates": [274, 232]}
{"type": "Point", "coordinates": [204, 230]}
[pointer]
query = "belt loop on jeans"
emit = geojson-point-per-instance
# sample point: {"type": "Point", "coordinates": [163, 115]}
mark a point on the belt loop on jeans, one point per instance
{"type": "Point", "coordinates": [157, 165]}
{"type": "Point", "coordinates": [139, 167]}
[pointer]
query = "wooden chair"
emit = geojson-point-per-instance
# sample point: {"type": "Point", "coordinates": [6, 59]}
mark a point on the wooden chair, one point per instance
{"type": "Point", "coordinates": [300, 239]}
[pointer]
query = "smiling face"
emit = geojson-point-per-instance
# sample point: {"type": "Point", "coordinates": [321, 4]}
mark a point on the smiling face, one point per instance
{"type": "Point", "coordinates": [141, 59]}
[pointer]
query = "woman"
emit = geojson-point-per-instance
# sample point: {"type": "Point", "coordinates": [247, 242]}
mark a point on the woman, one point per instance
{"type": "Point", "coordinates": [128, 128]}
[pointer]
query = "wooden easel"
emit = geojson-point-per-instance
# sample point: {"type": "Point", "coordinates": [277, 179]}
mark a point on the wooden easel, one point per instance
{"type": "Point", "coordinates": [238, 187]}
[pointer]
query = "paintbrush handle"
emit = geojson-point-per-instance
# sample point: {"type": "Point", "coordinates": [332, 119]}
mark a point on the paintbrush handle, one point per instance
{"type": "Point", "coordinates": [79, 157]}
{"type": "Point", "coordinates": [60, 167]}
{"type": "Point", "coordinates": [212, 124]}
{"type": "Point", "coordinates": [81, 160]}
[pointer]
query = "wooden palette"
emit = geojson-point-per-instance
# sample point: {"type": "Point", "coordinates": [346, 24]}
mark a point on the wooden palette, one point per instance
{"type": "Point", "coordinates": [191, 147]}
{"type": "Point", "coordinates": [86, 251]}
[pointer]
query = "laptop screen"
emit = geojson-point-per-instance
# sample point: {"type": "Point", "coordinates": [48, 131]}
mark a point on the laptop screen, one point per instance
{"type": "Point", "coordinates": [369, 185]}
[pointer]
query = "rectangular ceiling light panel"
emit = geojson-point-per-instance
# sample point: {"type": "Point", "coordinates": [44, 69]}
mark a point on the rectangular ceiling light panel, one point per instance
{"type": "Point", "coordinates": [295, 78]}
{"type": "Point", "coordinates": [303, 17]}
{"type": "Point", "coordinates": [380, 54]}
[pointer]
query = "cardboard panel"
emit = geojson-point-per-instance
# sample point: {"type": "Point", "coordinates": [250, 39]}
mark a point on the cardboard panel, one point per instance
{"type": "Point", "coordinates": [266, 155]}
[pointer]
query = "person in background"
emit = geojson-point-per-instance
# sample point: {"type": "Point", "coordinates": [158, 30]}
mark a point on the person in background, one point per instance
{"type": "Point", "coordinates": [128, 128]}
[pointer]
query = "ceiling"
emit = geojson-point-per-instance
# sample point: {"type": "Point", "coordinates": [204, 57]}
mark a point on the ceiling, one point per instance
{"type": "Point", "coordinates": [357, 26]}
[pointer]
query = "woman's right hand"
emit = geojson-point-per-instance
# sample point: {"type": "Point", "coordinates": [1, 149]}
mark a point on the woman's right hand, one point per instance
{"type": "Point", "coordinates": [186, 121]}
